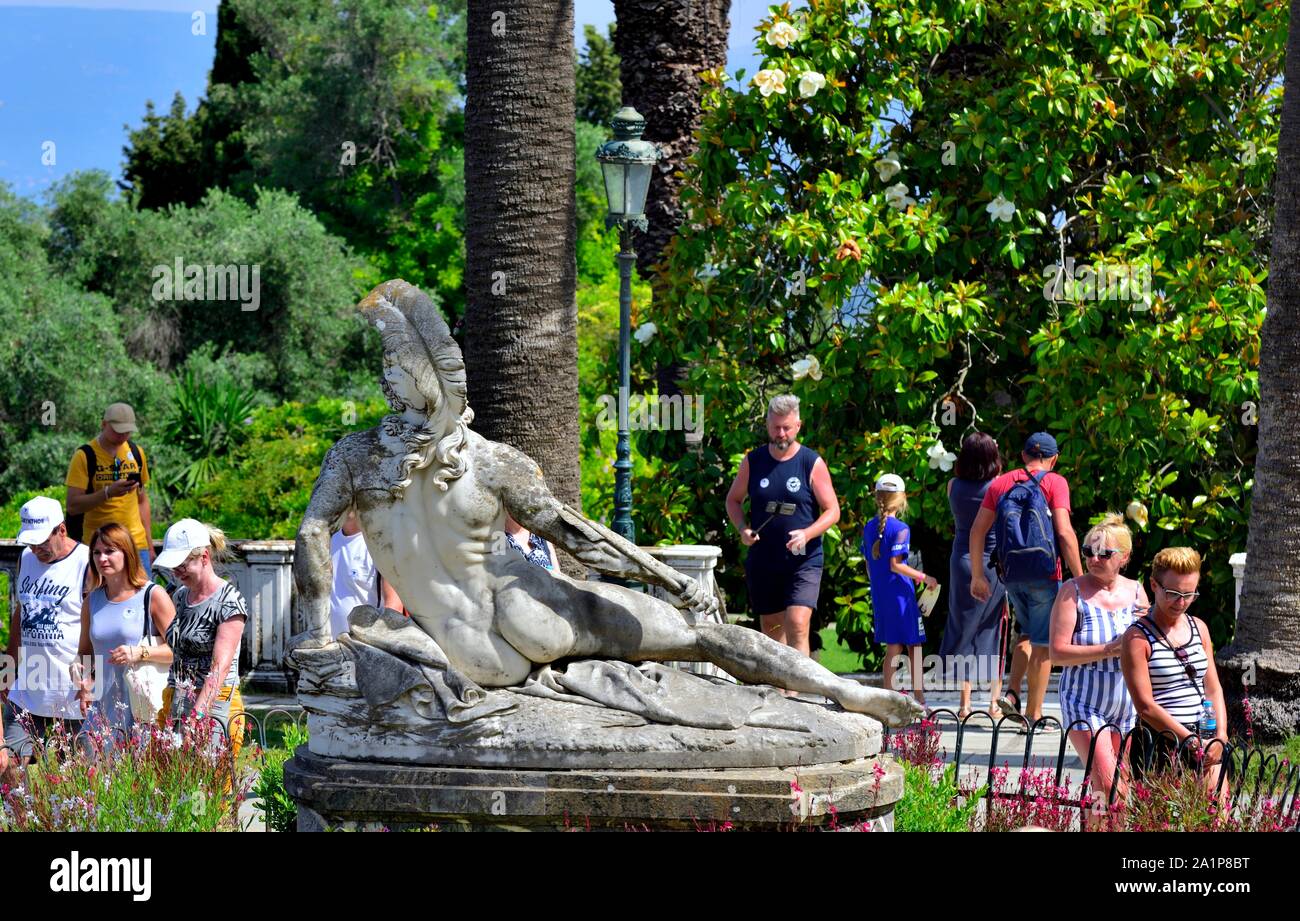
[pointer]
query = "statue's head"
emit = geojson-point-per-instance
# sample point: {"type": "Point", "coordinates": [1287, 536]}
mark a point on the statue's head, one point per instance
{"type": "Point", "coordinates": [423, 367]}
{"type": "Point", "coordinates": [424, 379]}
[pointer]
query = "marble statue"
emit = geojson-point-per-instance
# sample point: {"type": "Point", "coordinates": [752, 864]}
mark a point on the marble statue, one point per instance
{"type": "Point", "coordinates": [432, 495]}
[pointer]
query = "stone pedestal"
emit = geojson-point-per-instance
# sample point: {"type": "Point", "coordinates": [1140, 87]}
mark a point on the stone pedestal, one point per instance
{"type": "Point", "coordinates": [335, 793]}
{"type": "Point", "coordinates": [263, 573]}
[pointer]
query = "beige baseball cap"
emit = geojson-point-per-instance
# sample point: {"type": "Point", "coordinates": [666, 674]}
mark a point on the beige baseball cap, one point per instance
{"type": "Point", "coordinates": [122, 418]}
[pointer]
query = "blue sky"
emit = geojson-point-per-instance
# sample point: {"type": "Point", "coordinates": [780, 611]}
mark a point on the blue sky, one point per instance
{"type": "Point", "coordinates": [74, 74]}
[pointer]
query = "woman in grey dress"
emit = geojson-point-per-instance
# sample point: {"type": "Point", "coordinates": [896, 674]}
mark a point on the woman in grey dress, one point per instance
{"type": "Point", "coordinates": [971, 646]}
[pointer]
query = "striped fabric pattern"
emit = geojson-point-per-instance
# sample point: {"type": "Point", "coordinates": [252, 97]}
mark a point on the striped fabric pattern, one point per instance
{"type": "Point", "coordinates": [1171, 686]}
{"type": "Point", "coordinates": [1095, 692]}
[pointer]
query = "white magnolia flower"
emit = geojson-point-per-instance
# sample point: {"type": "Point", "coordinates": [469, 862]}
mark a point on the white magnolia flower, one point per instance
{"type": "Point", "coordinates": [782, 34]}
{"type": "Point", "coordinates": [709, 270]}
{"type": "Point", "coordinates": [808, 366]}
{"type": "Point", "coordinates": [770, 81]}
{"type": "Point", "coordinates": [810, 82]}
{"type": "Point", "coordinates": [645, 332]}
{"type": "Point", "coordinates": [896, 196]}
{"type": "Point", "coordinates": [888, 167]}
{"type": "Point", "coordinates": [1001, 209]}
{"type": "Point", "coordinates": [940, 458]}
{"type": "Point", "coordinates": [1137, 512]}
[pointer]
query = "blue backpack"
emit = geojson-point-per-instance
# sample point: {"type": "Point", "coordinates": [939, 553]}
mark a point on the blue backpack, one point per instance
{"type": "Point", "coordinates": [1026, 540]}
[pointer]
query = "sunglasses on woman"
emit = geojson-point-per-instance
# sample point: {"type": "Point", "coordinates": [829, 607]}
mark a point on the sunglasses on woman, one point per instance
{"type": "Point", "coordinates": [1189, 597]}
{"type": "Point", "coordinates": [1104, 554]}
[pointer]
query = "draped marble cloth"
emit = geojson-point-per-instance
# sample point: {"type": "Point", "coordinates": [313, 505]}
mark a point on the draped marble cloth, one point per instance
{"type": "Point", "coordinates": [394, 657]}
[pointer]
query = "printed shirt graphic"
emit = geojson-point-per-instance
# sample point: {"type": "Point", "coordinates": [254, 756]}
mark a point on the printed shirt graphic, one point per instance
{"type": "Point", "coordinates": [788, 481]}
{"type": "Point", "coordinates": [356, 581]}
{"type": "Point", "coordinates": [125, 510]}
{"type": "Point", "coordinates": [193, 634]}
{"type": "Point", "coordinates": [50, 600]}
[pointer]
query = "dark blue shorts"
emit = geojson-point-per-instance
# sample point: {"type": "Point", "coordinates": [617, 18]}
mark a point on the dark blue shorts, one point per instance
{"type": "Point", "coordinates": [773, 588]}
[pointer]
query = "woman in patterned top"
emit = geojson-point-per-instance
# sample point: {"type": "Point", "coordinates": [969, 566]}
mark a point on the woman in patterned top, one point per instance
{"type": "Point", "coordinates": [205, 636]}
{"type": "Point", "coordinates": [1089, 618]}
{"type": "Point", "coordinates": [539, 551]}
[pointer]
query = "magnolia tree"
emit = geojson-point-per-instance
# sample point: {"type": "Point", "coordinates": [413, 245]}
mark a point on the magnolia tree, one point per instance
{"type": "Point", "coordinates": [930, 218]}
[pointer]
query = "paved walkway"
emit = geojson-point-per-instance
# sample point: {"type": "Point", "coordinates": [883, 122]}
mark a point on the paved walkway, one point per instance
{"type": "Point", "coordinates": [977, 738]}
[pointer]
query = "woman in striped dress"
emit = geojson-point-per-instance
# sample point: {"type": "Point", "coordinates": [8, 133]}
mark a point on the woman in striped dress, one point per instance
{"type": "Point", "coordinates": [1168, 663]}
{"type": "Point", "coordinates": [1091, 615]}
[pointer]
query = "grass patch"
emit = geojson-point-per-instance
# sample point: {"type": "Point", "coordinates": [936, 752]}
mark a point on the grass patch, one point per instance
{"type": "Point", "coordinates": [835, 656]}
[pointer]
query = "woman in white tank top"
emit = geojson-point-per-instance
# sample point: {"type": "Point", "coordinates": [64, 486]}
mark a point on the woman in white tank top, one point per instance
{"type": "Point", "coordinates": [114, 624]}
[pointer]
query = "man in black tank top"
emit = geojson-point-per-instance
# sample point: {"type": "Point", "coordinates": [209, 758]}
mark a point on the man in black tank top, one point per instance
{"type": "Point", "coordinates": [792, 503]}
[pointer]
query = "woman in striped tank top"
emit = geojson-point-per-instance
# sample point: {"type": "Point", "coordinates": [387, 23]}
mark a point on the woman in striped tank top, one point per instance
{"type": "Point", "coordinates": [1168, 663]}
{"type": "Point", "coordinates": [1091, 614]}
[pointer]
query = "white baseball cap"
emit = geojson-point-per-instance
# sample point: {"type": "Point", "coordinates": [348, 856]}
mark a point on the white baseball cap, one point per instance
{"type": "Point", "coordinates": [40, 516]}
{"type": "Point", "coordinates": [890, 482]}
{"type": "Point", "coordinates": [182, 539]}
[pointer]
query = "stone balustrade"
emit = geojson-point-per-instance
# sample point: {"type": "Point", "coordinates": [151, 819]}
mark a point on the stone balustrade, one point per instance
{"type": "Point", "coordinates": [262, 570]}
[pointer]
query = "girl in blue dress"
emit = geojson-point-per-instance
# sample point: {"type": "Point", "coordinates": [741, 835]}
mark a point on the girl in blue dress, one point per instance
{"type": "Point", "coordinates": [896, 617]}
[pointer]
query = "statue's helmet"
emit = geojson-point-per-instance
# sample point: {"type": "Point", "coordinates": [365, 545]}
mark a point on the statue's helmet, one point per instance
{"type": "Point", "coordinates": [417, 340]}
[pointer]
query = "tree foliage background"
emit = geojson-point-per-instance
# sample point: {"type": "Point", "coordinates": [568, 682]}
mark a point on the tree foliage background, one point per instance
{"type": "Point", "coordinates": [327, 150]}
{"type": "Point", "coordinates": [887, 214]}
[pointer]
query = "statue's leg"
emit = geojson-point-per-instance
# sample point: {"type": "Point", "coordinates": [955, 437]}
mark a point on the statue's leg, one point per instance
{"type": "Point", "coordinates": [757, 659]}
{"type": "Point", "coordinates": [613, 622]}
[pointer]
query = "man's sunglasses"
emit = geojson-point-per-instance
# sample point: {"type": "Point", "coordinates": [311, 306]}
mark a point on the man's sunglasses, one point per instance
{"type": "Point", "coordinates": [1105, 554]}
{"type": "Point", "coordinates": [1189, 597]}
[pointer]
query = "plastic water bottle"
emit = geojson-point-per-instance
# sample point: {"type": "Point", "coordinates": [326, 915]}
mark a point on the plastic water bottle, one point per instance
{"type": "Point", "coordinates": [1209, 723]}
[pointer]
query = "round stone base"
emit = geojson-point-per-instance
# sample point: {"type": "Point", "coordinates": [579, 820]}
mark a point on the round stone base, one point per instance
{"type": "Point", "coordinates": [334, 793]}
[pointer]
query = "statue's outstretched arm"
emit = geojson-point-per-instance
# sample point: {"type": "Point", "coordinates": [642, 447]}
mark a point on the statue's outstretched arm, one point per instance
{"type": "Point", "coordinates": [312, 571]}
{"type": "Point", "coordinates": [530, 502]}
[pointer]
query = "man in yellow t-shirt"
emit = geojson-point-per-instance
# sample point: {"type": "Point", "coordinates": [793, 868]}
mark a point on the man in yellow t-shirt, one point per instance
{"type": "Point", "coordinates": [116, 490]}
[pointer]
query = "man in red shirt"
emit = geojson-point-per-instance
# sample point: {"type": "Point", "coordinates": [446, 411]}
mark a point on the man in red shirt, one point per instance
{"type": "Point", "coordinates": [1031, 601]}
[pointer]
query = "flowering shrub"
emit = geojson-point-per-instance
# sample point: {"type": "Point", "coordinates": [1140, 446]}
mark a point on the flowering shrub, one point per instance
{"type": "Point", "coordinates": [918, 744]}
{"type": "Point", "coordinates": [908, 225]}
{"type": "Point", "coordinates": [150, 780]}
{"type": "Point", "coordinates": [1036, 799]}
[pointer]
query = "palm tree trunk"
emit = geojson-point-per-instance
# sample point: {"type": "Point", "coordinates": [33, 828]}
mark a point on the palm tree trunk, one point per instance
{"type": "Point", "coordinates": [663, 47]}
{"type": "Point", "coordinates": [1265, 653]}
{"type": "Point", "coordinates": [521, 344]}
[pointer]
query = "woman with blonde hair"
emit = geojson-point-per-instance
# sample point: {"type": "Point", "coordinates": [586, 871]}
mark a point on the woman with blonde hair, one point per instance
{"type": "Point", "coordinates": [1089, 618]}
{"type": "Point", "coordinates": [1168, 663]}
{"type": "Point", "coordinates": [896, 618]}
{"type": "Point", "coordinates": [122, 609]}
{"type": "Point", "coordinates": [205, 636]}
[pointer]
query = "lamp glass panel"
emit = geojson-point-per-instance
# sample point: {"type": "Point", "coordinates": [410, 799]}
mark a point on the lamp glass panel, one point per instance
{"type": "Point", "coordinates": [615, 186]}
{"type": "Point", "coordinates": [637, 187]}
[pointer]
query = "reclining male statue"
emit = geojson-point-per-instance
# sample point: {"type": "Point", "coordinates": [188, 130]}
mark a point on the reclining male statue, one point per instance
{"type": "Point", "coordinates": [432, 494]}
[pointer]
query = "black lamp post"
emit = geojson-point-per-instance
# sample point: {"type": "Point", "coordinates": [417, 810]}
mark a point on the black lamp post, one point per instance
{"type": "Point", "coordinates": [626, 162]}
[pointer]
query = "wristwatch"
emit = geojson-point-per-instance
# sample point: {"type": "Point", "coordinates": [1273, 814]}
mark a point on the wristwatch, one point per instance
{"type": "Point", "coordinates": [144, 653]}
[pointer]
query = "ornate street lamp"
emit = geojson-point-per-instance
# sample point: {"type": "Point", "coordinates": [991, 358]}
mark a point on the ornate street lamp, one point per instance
{"type": "Point", "coordinates": [626, 162]}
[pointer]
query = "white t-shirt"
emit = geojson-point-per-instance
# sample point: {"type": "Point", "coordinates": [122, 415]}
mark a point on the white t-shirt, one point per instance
{"type": "Point", "coordinates": [50, 600]}
{"type": "Point", "coordinates": [356, 581]}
